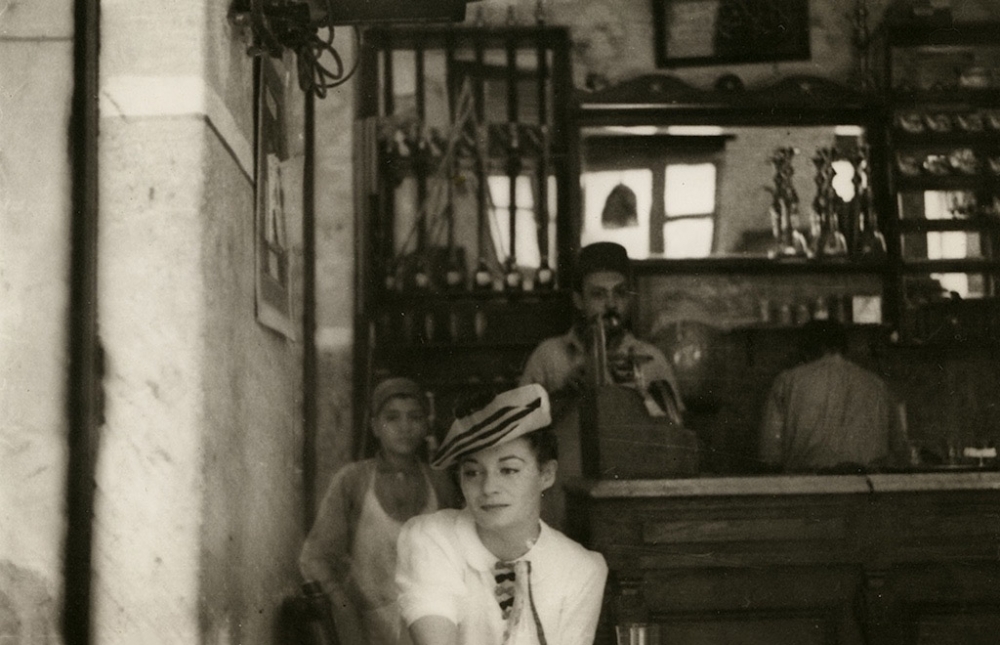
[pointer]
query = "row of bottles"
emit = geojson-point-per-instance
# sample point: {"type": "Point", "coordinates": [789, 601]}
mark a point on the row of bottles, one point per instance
{"type": "Point", "coordinates": [455, 278]}
{"type": "Point", "coordinates": [508, 321]}
{"type": "Point", "coordinates": [794, 312]}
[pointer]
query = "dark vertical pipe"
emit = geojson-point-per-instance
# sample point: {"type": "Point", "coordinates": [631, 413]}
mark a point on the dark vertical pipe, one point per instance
{"type": "Point", "coordinates": [449, 61]}
{"type": "Point", "coordinates": [542, 209]}
{"type": "Point", "coordinates": [309, 362]}
{"type": "Point", "coordinates": [513, 147]}
{"type": "Point", "coordinates": [388, 87]}
{"type": "Point", "coordinates": [566, 165]}
{"type": "Point", "coordinates": [371, 258]}
{"type": "Point", "coordinates": [368, 77]}
{"type": "Point", "coordinates": [386, 214]}
{"type": "Point", "coordinates": [482, 144]}
{"type": "Point", "coordinates": [423, 154]}
{"type": "Point", "coordinates": [83, 403]}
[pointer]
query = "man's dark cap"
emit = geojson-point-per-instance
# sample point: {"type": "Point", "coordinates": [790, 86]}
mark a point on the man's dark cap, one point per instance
{"type": "Point", "coordinates": [602, 256]}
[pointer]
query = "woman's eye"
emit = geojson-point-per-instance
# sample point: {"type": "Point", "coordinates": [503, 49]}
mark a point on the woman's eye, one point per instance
{"type": "Point", "coordinates": [509, 471]}
{"type": "Point", "coordinates": [469, 474]}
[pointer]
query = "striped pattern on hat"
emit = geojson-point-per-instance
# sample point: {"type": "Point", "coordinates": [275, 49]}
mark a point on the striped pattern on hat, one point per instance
{"type": "Point", "coordinates": [509, 415]}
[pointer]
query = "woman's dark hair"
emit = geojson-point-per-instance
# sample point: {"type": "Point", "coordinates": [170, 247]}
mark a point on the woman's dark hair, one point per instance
{"type": "Point", "coordinates": [544, 444]}
{"type": "Point", "coordinates": [472, 400]}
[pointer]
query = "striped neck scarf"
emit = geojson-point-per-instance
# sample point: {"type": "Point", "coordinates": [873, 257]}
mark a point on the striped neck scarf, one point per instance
{"type": "Point", "coordinates": [513, 594]}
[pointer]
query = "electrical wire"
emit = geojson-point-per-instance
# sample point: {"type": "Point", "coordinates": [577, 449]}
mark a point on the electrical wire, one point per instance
{"type": "Point", "coordinates": [316, 77]}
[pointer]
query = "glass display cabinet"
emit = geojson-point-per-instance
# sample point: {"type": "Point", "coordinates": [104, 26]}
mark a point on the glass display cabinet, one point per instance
{"type": "Point", "coordinates": [462, 184]}
{"type": "Point", "coordinates": [942, 86]}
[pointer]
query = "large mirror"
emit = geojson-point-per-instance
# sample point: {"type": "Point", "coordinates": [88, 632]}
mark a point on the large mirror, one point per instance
{"type": "Point", "coordinates": [672, 172]}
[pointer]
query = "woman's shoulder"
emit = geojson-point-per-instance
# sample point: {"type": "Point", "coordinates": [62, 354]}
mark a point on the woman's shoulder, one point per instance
{"type": "Point", "coordinates": [576, 558]}
{"type": "Point", "coordinates": [432, 533]}
{"type": "Point", "coordinates": [439, 523]}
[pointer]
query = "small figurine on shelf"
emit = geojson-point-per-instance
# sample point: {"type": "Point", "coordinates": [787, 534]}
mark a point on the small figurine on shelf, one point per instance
{"type": "Point", "coordinates": [788, 240]}
{"type": "Point", "coordinates": [830, 241]}
{"type": "Point", "coordinates": [869, 241]}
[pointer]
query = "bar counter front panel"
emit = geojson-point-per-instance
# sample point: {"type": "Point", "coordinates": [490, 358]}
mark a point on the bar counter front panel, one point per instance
{"type": "Point", "coordinates": [839, 559]}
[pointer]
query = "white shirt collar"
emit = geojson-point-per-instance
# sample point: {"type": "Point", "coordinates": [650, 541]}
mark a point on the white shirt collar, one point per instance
{"type": "Point", "coordinates": [476, 553]}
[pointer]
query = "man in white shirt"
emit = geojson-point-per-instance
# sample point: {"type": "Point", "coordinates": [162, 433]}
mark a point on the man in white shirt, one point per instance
{"type": "Point", "coordinates": [829, 413]}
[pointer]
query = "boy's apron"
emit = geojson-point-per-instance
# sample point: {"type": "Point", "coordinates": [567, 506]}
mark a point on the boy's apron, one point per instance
{"type": "Point", "coordinates": [373, 566]}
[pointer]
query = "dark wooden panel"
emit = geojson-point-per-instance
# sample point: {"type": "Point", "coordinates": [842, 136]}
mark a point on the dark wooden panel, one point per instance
{"type": "Point", "coordinates": [815, 588]}
{"type": "Point", "coordinates": [908, 568]}
{"type": "Point", "coordinates": [669, 532]}
{"type": "Point", "coordinates": [771, 630]}
{"type": "Point", "coordinates": [958, 628]}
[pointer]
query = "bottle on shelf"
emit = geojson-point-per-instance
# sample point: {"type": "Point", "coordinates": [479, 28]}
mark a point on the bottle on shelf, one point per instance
{"type": "Point", "coordinates": [454, 276]}
{"type": "Point", "coordinates": [422, 276]}
{"type": "Point", "coordinates": [482, 279]}
{"type": "Point", "coordinates": [512, 278]}
{"type": "Point", "coordinates": [545, 277]}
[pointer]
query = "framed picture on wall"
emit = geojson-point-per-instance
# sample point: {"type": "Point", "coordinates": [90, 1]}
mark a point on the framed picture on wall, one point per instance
{"type": "Point", "coordinates": [273, 250]}
{"type": "Point", "coordinates": [717, 32]}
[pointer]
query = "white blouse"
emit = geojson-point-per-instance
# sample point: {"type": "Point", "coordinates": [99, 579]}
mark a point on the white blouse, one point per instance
{"type": "Point", "coordinates": [444, 570]}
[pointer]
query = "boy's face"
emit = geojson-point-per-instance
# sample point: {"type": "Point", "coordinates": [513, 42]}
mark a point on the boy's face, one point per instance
{"type": "Point", "coordinates": [400, 426]}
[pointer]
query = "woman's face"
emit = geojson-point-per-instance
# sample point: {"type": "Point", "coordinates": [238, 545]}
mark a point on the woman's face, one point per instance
{"type": "Point", "coordinates": [503, 484]}
{"type": "Point", "coordinates": [400, 426]}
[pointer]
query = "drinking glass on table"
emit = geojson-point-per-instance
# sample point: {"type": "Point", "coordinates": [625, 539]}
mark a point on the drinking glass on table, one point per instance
{"type": "Point", "coordinates": [638, 634]}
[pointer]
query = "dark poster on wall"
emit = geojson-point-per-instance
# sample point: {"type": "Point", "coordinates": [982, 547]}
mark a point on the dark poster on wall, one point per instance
{"type": "Point", "coordinates": [714, 32]}
{"type": "Point", "coordinates": [273, 248]}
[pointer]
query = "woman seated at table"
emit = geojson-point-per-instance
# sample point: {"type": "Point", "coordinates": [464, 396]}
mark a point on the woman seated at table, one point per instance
{"type": "Point", "coordinates": [493, 573]}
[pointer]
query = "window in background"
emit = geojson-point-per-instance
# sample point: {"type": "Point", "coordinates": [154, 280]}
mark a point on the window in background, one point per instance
{"type": "Point", "coordinates": [656, 194]}
{"type": "Point", "coordinates": [599, 223]}
{"type": "Point", "coordinates": [689, 209]}
{"type": "Point", "coordinates": [527, 251]}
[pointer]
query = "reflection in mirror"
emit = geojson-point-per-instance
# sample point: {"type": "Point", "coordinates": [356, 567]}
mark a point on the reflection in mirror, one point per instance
{"type": "Point", "coordinates": [920, 289]}
{"type": "Point", "coordinates": [937, 204]}
{"type": "Point", "coordinates": [941, 206]}
{"type": "Point", "coordinates": [707, 191]}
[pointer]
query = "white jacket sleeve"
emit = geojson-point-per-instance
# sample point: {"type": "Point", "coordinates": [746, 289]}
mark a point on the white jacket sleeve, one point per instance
{"type": "Point", "coordinates": [582, 607]}
{"type": "Point", "coordinates": [428, 577]}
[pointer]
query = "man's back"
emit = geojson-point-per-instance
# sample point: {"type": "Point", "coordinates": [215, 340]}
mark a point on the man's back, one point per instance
{"type": "Point", "coordinates": [825, 413]}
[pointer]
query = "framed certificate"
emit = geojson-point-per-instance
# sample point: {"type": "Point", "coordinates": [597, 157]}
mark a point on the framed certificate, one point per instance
{"type": "Point", "coordinates": [715, 32]}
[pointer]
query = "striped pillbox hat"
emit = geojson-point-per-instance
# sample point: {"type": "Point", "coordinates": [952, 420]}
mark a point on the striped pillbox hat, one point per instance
{"type": "Point", "coordinates": [509, 415]}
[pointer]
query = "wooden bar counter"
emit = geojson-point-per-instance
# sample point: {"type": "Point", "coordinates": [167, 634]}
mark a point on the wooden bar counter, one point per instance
{"type": "Point", "coordinates": [908, 558]}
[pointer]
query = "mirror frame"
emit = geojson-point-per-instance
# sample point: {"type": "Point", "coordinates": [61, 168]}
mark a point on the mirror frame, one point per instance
{"type": "Point", "coordinates": [664, 99]}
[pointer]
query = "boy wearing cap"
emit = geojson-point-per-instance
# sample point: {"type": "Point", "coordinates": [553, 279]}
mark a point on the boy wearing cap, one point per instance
{"type": "Point", "coordinates": [494, 573]}
{"type": "Point", "coordinates": [351, 549]}
{"type": "Point", "coordinates": [601, 292]}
